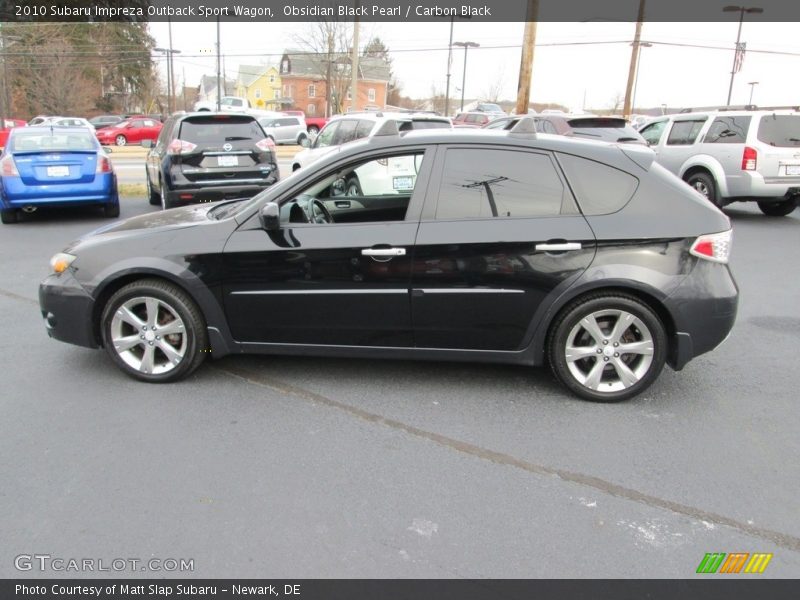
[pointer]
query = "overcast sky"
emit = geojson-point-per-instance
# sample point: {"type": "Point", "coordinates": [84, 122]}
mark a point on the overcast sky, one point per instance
{"type": "Point", "coordinates": [671, 75]}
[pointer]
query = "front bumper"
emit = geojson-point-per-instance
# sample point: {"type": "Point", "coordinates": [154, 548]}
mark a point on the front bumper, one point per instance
{"type": "Point", "coordinates": [67, 310]}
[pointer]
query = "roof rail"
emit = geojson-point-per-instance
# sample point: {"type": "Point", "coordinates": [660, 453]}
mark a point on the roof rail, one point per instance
{"type": "Point", "coordinates": [738, 107]}
{"type": "Point", "coordinates": [526, 125]}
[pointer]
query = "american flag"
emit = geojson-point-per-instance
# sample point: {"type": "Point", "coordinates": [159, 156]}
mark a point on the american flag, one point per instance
{"type": "Point", "coordinates": [739, 58]}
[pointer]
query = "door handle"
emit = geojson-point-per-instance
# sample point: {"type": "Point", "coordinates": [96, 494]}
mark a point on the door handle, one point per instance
{"type": "Point", "coordinates": [563, 247]}
{"type": "Point", "coordinates": [383, 252]}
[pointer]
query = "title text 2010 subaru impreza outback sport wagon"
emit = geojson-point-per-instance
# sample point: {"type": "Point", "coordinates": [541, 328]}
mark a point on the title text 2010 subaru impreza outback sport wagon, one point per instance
{"type": "Point", "coordinates": [504, 247]}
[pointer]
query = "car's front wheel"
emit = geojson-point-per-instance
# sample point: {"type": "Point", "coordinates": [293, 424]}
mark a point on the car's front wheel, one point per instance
{"type": "Point", "coordinates": [120, 140]}
{"type": "Point", "coordinates": [154, 331]}
{"type": "Point", "coordinates": [778, 209]}
{"type": "Point", "coordinates": [607, 347]}
{"type": "Point", "coordinates": [313, 130]}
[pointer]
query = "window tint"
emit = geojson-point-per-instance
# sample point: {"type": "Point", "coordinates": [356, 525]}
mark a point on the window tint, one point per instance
{"type": "Point", "coordinates": [652, 133]}
{"type": "Point", "coordinates": [425, 124]}
{"type": "Point", "coordinates": [599, 189]}
{"type": "Point", "coordinates": [481, 183]}
{"type": "Point", "coordinates": [213, 130]}
{"type": "Point", "coordinates": [780, 130]}
{"type": "Point", "coordinates": [346, 132]}
{"type": "Point", "coordinates": [684, 133]}
{"type": "Point", "coordinates": [728, 130]}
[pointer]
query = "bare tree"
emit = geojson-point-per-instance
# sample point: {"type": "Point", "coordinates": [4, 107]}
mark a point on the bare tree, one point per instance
{"type": "Point", "coordinates": [617, 101]}
{"type": "Point", "coordinates": [436, 100]}
{"type": "Point", "coordinates": [327, 45]}
{"type": "Point", "coordinates": [495, 86]}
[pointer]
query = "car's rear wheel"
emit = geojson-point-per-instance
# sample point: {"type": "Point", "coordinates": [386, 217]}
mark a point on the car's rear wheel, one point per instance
{"type": "Point", "coordinates": [111, 210]}
{"type": "Point", "coordinates": [313, 130]}
{"type": "Point", "coordinates": [705, 184]}
{"type": "Point", "coordinates": [120, 140]}
{"type": "Point", "coordinates": [778, 209]}
{"type": "Point", "coordinates": [9, 216]}
{"type": "Point", "coordinates": [300, 139]}
{"type": "Point", "coordinates": [607, 347]}
{"type": "Point", "coordinates": [152, 197]}
{"type": "Point", "coordinates": [353, 187]}
{"type": "Point", "coordinates": [163, 196]}
{"type": "Point", "coordinates": [154, 331]}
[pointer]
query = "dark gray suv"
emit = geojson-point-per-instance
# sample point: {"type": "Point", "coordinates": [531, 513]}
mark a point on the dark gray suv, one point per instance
{"type": "Point", "coordinates": [498, 246]}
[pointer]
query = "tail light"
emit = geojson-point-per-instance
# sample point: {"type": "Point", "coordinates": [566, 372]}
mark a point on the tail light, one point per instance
{"type": "Point", "coordinates": [266, 145]}
{"type": "Point", "coordinates": [749, 159]}
{"type": "Point", "coordinates": [713, 246]}
{"type": "Point", "coordinates": [8, 168]}
{"type": "Point", "coordinates": [103, 165]}
{"type": "Point", "coordinates": [180, 147]}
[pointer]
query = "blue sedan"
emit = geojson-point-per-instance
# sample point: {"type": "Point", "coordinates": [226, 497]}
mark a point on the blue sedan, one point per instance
{"type": "Point", "coordinates": [55, 166]}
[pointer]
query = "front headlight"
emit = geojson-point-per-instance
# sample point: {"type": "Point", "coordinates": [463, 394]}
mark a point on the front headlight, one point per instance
{"type": "Point", "coordinates": [61, 261]}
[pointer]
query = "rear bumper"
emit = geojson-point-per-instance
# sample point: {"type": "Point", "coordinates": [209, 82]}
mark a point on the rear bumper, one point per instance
{"type": "Point", "coordinates": [67, 310]}
{"type": "Point", "coordinates": [194, 194]}
{"type": "Point", "coordinates": [16, 194]}
{"type": "Point", "coordinates": [704, 311]}
{"type": "Point", "coordinates": [753, 185]}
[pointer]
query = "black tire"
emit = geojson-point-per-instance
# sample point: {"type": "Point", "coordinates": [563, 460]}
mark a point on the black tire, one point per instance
{"type": "Point", "coordinates": [120, 140]}
{"type": "Point", "coordinates": [152, 197]}
{"type": "Point", "coordinates": [9, 217]}
{"type": "Point", "coordinates": [111, 210]}
{"type": "Point", "coordinates": [300, 139]}
{"type": "Point", "coordinates": [163, 197]}
{"type": "Point", "coordinates": [704, 183]}
{"type": "Point", "coordinates": [313, 130]}
{"type": "Point", "coordinates": [193, 335]}
{"type": "Point", "coordinates": [352, 187]}
{"type": "Point", "coordinates": [645, 329]}
{"type": "Point", "coordinates": [778, 209]}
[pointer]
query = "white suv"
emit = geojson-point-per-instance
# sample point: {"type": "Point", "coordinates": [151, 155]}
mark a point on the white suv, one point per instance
{"type": "Point", "coordinates": [731, 156]}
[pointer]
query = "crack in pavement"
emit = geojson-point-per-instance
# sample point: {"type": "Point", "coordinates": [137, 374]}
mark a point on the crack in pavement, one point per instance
{"type": "Point", "coordinates": [14, 296]}
{"type": "Point", "coordinates": [784, 540]}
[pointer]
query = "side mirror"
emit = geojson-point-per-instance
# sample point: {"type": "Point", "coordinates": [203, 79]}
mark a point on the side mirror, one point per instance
{"type": "Point", "coordinates": [270, 216]}
{"type": "Point", "coordinates": [305, 142]}
{"type": "Point", "coordinates": [147, 143]}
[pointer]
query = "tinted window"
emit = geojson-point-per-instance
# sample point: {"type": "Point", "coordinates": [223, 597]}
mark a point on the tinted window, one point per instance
{"type": "Point", "coordinates": [427, 124]}
{"type": "Point", "coordinates": [483, 183]}
{"type": "Point", "coordinates": [346, 132]}
{"type": "Point", "coordinates": [728, 130]}
{"type": "Point", "coordinates": [652, 133]}
{"type": "Point", "coordinates": [599, 189]}
{"type": "Point", "coordinates": [780, 130]}
{"type": "Point", "coordinates": [204, 130]}
{"type": "Point", "coordinates": [684, 133]}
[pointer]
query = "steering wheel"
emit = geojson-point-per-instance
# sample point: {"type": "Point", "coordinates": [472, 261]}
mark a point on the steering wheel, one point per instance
{"type": "Point", "coordinates": [318, 212]}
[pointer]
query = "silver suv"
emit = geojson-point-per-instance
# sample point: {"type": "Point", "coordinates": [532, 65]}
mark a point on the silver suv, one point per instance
{"type": "Point", "coordinates": [284, 129]}
{"type": "Point", "coordinates": [732, 156]}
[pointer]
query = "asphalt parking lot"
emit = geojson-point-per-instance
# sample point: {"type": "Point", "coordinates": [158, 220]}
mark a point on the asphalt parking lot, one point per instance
{"type": "Point", "coordinates": [307, 467]}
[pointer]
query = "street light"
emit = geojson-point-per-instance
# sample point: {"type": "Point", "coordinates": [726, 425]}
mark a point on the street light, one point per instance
{"type": "Point", "coordinates": [754, 10]}
{"type": "Point", "coordinates": [466, 46]}
{"type": "Point", "coordinates": [450, 64]}
{"type": "Point", "coordinates": [638, 66]}
{"type": "Point", "coordinates": [168, 52]}
{"type": "Point", "coordinates": [752, 85]}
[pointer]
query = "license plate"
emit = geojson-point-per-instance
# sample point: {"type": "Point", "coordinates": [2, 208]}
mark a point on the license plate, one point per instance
{"type": "Point", "coordinates": [228, 161]}
{"type": "Point", "coordinates": [59, 171]}
{"type": "Point", "coordinates": [403, 183]}
{"type": "Point", "coordinates": [793, 169]}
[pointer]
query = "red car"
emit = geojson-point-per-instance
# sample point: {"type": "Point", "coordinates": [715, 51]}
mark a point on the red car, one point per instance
{"type": "Point", "coordinates": [7, 125]}
{"type": "Point", "coordinates": [130, 131]}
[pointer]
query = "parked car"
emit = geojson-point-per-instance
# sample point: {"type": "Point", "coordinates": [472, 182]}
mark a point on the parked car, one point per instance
{"type": "Point", "coordinates": [509, 248]}
{"type": "Point", "coordinates": [605, 129]}
{"type": "Point", "coordinates": [39, 119]}
{"type": "Point", "coordinates": [130, 131]}
{"type": "Point", "coordinates": [733, 156]}
{"type": "Point", "coordinates": [355, 126]}
{"type": "Point", "coordinates": [55, 166]}
{"type": "Point", "coordinates": [203, 157]}
{"type": "Point", "coordinates": [65, 122]}
{"type": "Point", "coordinates": [490, 108]}
{"type": "Point", "coordinates": [285, 129]}
{"type": "Point", "coordinates": [6, 125]}
{"type": "Point", "coordinates": [103, 121]}
{"type": "Point", "coordinates": [471, 119]}
{"type": "Point", "coordinates": [313, 124]}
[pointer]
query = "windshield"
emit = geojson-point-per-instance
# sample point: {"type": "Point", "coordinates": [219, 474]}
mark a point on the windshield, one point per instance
{"type": "Point", "coordinates": [45, 141]}
{"type": "Point", "coordinates": [782, 131]}
{"type": "Point", "coordinates": [489, 108]}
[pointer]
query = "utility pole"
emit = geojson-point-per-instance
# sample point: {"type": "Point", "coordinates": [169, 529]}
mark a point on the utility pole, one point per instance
{"type": "Point", "coordinates": [219, 66]}
{"type": "Point", "coordinates": [328, 111]}
{"type": "Point", "coordinates": [449, 65]}
{"type": "Point", "coordinates": [170, 72]}
{"type": "Point", "coordinates": [626, 108]}
{"type": "Point", "coordinates": [526, 60]}
{"type": "Point", "coordinates": [354, 65]}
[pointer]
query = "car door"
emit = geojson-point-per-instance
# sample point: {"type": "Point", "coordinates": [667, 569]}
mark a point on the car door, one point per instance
{"type": "Point", "coordinates": [681, 142]}
{"type": "Point", "coordinates": [133, 133]}
{"type": "Point", "coordinates": [343, 283]}
{"type": "Point", "coordinates": [500, 234]}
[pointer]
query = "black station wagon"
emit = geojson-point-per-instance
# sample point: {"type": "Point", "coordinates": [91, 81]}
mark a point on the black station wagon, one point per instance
{"type": "Point", "coordinates": [494, 246]}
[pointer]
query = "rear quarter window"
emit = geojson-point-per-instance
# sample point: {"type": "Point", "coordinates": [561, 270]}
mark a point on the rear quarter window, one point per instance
{"type": "Point", "coordinates": [782, 131]}
{"type": "Point", "coordinates": [599, 188]}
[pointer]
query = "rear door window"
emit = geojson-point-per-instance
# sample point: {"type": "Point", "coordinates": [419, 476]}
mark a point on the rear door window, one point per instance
{"type": "Point", "coordinates": [782, 131]}
{"type": "Point", "coordinates": [728, 130]}
{"type": "Point", "coordinates": [364, 128]}
{"type": "Point", "coordinates": [684, 133]}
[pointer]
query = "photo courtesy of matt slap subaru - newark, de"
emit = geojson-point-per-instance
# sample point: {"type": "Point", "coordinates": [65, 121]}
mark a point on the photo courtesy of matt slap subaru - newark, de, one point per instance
{"type": "Point", "coordinates": [467, 245]}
